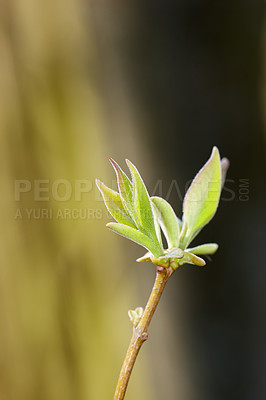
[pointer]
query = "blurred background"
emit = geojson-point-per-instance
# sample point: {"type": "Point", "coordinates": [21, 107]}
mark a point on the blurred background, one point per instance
{"type": "Point", "coordinates": [160, 84]}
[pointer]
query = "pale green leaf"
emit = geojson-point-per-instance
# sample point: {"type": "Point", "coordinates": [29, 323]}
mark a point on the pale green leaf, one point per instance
{"type": "Point", "coordinates": [114, 205]}
{"type": "Point", "coordinates": [137, 237]}
{"type": "Point", "coordinates": [170, 258]}
{"type": "Point", "coordinates": [175, 253]}
{"type": "Point", "coordinates": [135, 315]}
{"type": "Point", "coordinates": [208, 248]}
{"type": "Point", "coordinates": [132, 315]}
{"type": "Point", "coordinates": [202, 198]}
{"type": "Point", "coordinates": [157, 226]}
{"type": "Point", "coordinates": [145, 258]}
{"type": "Point", "coordinates": [139, 311]}
{"type": "Point", "coordinates": [125, 188]}
{"type": "Point", "coordinates": [167, 220]}
{"type": "Point", "coordinates": [142, 204]}
{"type": "Point", "coordinates": [168, 255]}
{"type": "Point", "coordinates": [190, 258]}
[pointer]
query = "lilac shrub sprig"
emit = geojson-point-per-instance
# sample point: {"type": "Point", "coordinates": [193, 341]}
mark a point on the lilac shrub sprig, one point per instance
{"type": "Point", "coordinates": [142, 219]}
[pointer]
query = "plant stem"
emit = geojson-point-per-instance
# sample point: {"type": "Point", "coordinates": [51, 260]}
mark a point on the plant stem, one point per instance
{"type": "Point", "coordinates": [140, 334]}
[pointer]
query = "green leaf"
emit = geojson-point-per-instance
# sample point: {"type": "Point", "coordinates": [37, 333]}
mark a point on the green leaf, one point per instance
{"type": "Point", "coordinates": [146, 258]}
{"type": "Point", "coordinates": [208, 248]}
{"type": "Point", "coordinates": [114, 205]}
{"type": "Point", "coordinates": [175, 253]}
{"type": "Point", "coordinates": [176, 257]}
{"type": "Point", "coordinates": [170, 258]}
{"type": "Point", "coordinates": [168, 221]}
{"type": "Point", "coordinates": [142, 204]}
{"type": "Point", "coordinates": [168, 255]}
{"type": "Point", "coordinates": [135, 315]}
{"type": "Point", "coordinates": [125, 188]}
{"type": "Point", "coordinates": [137, 237]}
{"type": "Point", "coordinates": [202, 198]}
{"type": "Point", "coordinates": [190, 258]}
{"type": "Point", "coordinates": [157, 226]}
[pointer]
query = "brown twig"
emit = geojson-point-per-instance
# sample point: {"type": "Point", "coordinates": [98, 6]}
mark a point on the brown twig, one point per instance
{"type": "Point", "coordinates": [140, 334]}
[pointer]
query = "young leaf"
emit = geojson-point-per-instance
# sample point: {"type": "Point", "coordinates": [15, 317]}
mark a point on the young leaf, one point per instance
{"type": "Point", "coordinates": [175, 253]}
{"type": "Point", "coordinates": [114, 204]}
{"type": "Point", "coordinates": [168, 221]}
{"type": "Point", "coordinates": [190, 258]}
{"type": "Point", "coordinates": [135, 315]}
{"type": "Point", "coordinates": [170, 258]}
{"type": "Point", "coordinates": [137, 237]}
{"type": "Point", "coordinates": [202, 198]}
{"type": "Point", "coordinates": [139, 311]}
{"type": "Point", "coordinates": [208, 248]}
{"type": "Point", "coordinates": [142, 204]}
{"type": "Point", "coordinates": [146, 258]}
{"type": "Point", "coordinates": [157, 226]}
{"type": "Point", "coordinates": [125, 188]}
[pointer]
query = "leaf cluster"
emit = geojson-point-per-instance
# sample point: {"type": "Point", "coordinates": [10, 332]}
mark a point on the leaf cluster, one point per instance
{"type": "Point", "coordinates": [142, 218]}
